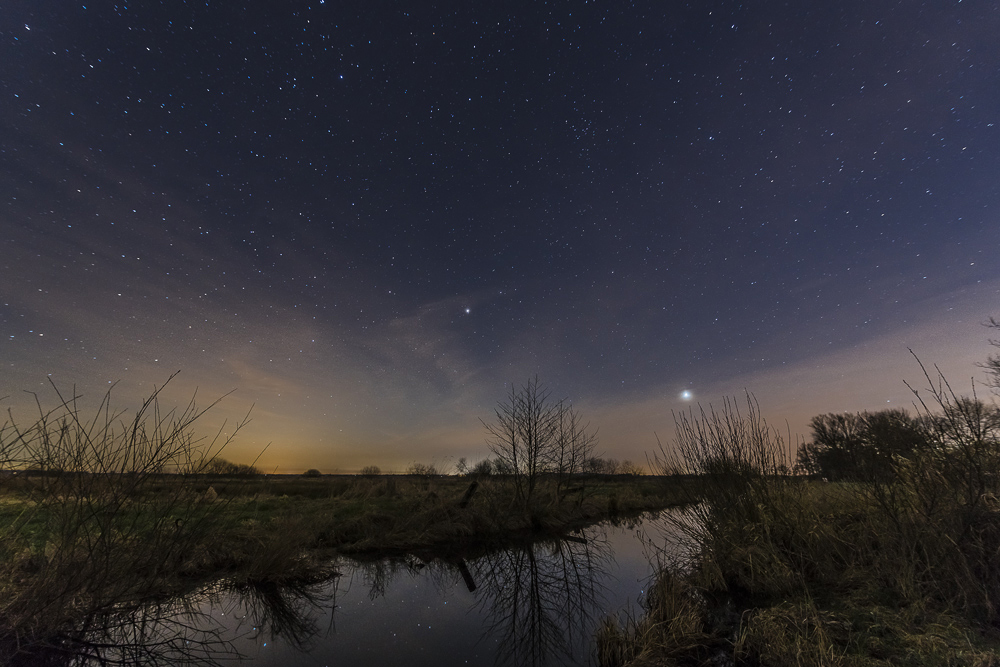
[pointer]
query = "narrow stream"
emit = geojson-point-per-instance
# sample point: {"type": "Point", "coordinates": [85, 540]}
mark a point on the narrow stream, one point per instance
{"type": "Point", "coordinates": [535, 605]}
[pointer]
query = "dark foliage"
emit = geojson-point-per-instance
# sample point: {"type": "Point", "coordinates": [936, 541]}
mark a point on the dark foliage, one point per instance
{"type": "Point", "coordinates": [861, 446]}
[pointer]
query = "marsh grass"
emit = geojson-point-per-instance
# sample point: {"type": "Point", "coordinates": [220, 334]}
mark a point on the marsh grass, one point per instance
{"type": "Point", "coordinates": [671, 628]}
{"type": "Point", "coordinates": [785, 571]}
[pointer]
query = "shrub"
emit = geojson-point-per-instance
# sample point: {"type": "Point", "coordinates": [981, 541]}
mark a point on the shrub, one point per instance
{"type": "Point", "coordinates": [482, 469]}
{"type": "Point", "coordinates": [312, 472]}
{"type": "Point", "coordinates": [371, 471]}
{"type": "Point", "coordinates": [602, 466]}
{"type": "Point", "coordinates": [627, 467]}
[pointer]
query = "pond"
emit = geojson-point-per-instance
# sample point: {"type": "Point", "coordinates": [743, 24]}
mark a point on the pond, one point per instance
{"type": "Point", "coordinates": [538, 604]}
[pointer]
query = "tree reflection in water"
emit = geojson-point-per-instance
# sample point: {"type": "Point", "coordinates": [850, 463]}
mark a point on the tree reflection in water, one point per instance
{"type": "Point", "coordinates": [539, 603]}
{"type": "Point", "coordinates": [196, 629]}
{"type": "Point", "coordinates": [540, 600]}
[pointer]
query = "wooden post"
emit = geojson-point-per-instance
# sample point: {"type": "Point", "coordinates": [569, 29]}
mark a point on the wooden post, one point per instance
{"type": "Point", "coordinates": [471, 491]}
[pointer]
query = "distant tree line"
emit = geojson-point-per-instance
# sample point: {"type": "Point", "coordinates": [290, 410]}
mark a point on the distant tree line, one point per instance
{"type": "Point", "coordinates": [594, 465]}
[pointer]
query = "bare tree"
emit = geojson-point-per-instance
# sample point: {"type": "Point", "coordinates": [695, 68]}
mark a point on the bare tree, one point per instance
{"type": "Point", "coordinates": [534, 435]}
{"type": "Point", "coordinates": [522, 436]}
{"type": "Point", "coordinates": [574, 445]}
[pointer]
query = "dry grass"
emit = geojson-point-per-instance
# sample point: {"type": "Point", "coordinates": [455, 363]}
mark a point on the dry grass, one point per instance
{"type": "Point", "coordinates": [88, 532]}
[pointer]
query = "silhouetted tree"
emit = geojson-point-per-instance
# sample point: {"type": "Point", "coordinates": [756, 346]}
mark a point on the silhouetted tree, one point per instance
{"type": "Point", "coordinates": [574, 445]}
{"type": "Point", "coordinates": [523, 435]}
{"type": "Point", "coordinates": [533, 435]}
{"type": "Point", "coordinates": [627, 467]}
{"type": "Point", "coordinates": [602, 466]}
{"type": "Point", "coordinates": [856, 446]}
{"type": "Point", "coordinates": [483, 468]}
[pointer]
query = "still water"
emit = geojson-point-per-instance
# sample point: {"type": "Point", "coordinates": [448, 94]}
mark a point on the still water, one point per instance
{"type": "Point", "coordinates": [539, 604]}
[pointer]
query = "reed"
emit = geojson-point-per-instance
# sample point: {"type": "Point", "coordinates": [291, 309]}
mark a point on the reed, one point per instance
{"type": "Point", "coordinates": [90, 532]}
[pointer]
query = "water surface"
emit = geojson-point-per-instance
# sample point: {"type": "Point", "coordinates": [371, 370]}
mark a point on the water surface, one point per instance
{"type": "Point", "coordinates": [537, 604]}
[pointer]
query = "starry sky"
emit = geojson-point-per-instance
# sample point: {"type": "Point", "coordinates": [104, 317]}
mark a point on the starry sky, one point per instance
{"type": "Point", "coordinates": [370, 219]}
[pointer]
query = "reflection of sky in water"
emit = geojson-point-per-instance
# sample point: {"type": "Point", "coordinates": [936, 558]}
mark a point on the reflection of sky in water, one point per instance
{"type": "Point", "coordinates": [415, 620]}
{"type": "Point", "coordinates": [416, 614]}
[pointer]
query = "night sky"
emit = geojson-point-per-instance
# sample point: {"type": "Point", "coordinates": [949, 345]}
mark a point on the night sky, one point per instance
{"type": "Point", "coordinates": [369, 219]}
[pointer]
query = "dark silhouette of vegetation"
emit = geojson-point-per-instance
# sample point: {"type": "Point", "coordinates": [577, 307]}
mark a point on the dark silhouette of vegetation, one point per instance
{"type": "Point", "coordinates": [371, 471]}
{"type": "Point", "coordinates": [609, 466]}
{"type": "Point", "coordinates": [992, 363]}
{"type": "Point", "coordinates": [861, 446]}
{"type": "Point", "coordinates": [422, 469]}
{"type": "Point", "coordinates": [312, 472]}
{"type": "Point", "coordinates": [222, 467]}
{"type": "Point", "coordinates": [482, 468]}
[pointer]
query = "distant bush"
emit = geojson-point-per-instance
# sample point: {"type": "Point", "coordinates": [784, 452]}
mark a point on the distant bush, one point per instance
{"type": "Point", "coordinates": [422, 469]}
{"type": "Point", "coordinates": [482, 469]}
{"type": "Point", "coordinates": [371, 471]}
{"type": "Point", "coordinates": [601, 466]}
{"type": "Point", "coordinates": [312, 472]}
{"type": "Point", "coordinates": [612, 467]}
{"type": "Point", "coordinates": [626, 467]}
{"type": "Point", "coordinates": [219, 466]}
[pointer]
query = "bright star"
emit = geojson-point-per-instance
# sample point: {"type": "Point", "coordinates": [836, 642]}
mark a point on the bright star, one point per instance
{"type": "Point", "coordinates": [687, 395]}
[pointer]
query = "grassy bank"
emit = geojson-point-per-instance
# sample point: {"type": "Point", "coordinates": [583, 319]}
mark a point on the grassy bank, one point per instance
{"type": "Point", "coordinates": [66, 558]}
{"type": "Point", "coordinates": [346, 513]}
{"type": "Point", "coordinates": [902, 569]}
